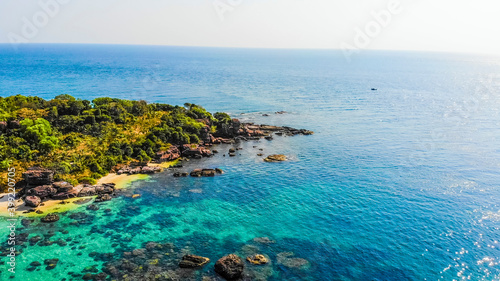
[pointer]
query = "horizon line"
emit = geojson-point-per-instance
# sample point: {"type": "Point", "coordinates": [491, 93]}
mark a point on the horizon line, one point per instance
{"type": "Point", "coordinates": [256, 48]}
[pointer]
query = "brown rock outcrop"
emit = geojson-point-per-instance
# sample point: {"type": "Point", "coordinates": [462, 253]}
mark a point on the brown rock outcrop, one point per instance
{"type": "Point", "coordinates": [171, 154]}
{"type": "Point", "coordinates": [193, 261]}
{"type": "Point", "coordinates": [50, 218]}
{"type": "Point", "coordinates": [35, 176]}
{"type": "Point", "coordinates": [275, 158]}
{"type": "Point", "coordinates": [257, 259]}
{"type": "Point", "coordinates": [42, 191]}
{"type": "Point", "coordinates": [32, 201]}
{"type": "Point", "coordinates": [230, 267]}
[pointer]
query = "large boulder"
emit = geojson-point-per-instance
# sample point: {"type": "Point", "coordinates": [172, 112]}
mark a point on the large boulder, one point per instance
{"type": "Point", "coordinates": [306, 132]}
{"type": "Point", "coordinates": [180, 174]}
{"type": "Point", "coordinates": [101, 189]}
{"type": "Point", "coordinates": [32, 201]}
{"type": "Point", "coordinates": [196, 173]}
{"type": "Point", "coordinates": [192, 261]}
{"type": "Point", "coordinates": [42, 191]}
{"type": "Point", "coordinates": [103, 198]}
{"type": "Point", "coordinates": [230, 267]}
{"type": "Point", "coordinates": [257, 259]}
{"type": "Point", "coordinates": [275, 158]}
{"type": "Point", "coordinates": [171, 154]}
{"type": "Point", "coordinates": [195, 151]}
{"type": "Point", "coordinates": [38, 176]}
{"type": "Point", "coordinates": [62, 186]}
{"type": "Point", "coordinates": [208, 172]}
{"type": "Point", "coordinates": [65, 195]}
{"type": "Point", "coordinates": [151, 170]}
{"type": "Point", "coordinates": [87, 191]}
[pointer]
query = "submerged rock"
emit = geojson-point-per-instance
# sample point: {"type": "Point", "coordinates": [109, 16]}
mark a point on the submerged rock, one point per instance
{"type": "Point", "coordinates": [27, 222]}
{"type": "Point", "coordinates": [35, 239]}
{"type": "Point", "coordinates": [92, 207]}
{"type": "Point", "coordinates": [264, 240]}
{"type": "Point", "coordinates": [230, 267]}
{"type": "Point", "coordinates": [287, 259]}
{"type": "Point", "coordinates": [275, 158]}
{"type": "Point", "coordinates": [50, 218]}
{"type": "Point", "coordinates": [193, 261]}
{"type": "Point", "coordinates": [50, 263]}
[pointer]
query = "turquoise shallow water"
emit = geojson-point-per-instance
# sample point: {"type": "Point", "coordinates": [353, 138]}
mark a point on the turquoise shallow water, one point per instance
{"type": "Point", "coordinates": [396, 184]}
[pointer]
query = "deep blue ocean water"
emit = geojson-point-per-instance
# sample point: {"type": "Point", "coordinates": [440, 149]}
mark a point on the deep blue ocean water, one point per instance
{"type": "Point", "coordinates": [401, 183]}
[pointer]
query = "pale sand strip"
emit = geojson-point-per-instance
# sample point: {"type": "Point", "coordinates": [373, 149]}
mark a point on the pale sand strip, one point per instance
{"type": "Point", "coordinates": [57, 206]}
{"type": "Point", "coordinates": [53, 206]}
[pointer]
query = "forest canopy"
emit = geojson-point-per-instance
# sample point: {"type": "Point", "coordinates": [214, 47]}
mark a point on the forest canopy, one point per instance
{"type": "Point", "coordinates": [83, 140]}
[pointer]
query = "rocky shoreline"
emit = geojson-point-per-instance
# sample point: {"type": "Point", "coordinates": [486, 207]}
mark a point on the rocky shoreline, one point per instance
{"type": "Point", "coordinates": [38, 184]}
{"type": "Point", "coordinates": [38, 187]}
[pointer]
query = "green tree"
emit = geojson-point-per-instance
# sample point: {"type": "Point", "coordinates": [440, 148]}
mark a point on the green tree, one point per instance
{"type": "Point", "coordinates": [39, 134]}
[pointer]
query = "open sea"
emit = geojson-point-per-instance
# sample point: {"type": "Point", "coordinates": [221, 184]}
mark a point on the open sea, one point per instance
{"type": "Point", "coordinates": [401, 183]}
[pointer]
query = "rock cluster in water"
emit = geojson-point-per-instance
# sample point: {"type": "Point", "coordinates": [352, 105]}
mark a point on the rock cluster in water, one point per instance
{"type": "Point", "coordinates": [234, 131]}
{"type": "Point", "coordinates": [159, 261]}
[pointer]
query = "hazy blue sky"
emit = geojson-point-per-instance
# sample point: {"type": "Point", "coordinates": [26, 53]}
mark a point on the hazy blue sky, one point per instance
{"type": "Point", "coordinates": [438, 25]}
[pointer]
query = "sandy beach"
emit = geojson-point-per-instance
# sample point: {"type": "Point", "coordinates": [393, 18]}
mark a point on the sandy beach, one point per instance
{"type": "Point", "coordinates": [52, 206]}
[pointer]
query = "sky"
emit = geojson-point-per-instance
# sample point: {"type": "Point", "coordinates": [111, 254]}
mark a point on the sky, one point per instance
{"type": "Point", "coordinates": [424, 25]}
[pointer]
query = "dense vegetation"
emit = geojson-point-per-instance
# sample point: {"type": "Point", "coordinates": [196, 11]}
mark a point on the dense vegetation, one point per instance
{"type": "Point", "coordinates": [82, 140]}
